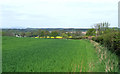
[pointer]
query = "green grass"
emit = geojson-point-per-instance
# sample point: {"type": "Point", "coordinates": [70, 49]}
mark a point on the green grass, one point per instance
{"type": "Point", "coordinates": [107, 58]}
{"type": "Point", "coordinates": [49, 55]}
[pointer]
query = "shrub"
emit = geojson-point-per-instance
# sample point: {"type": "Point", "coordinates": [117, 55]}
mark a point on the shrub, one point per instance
{"type": "Point", "coordinates": [110, 40]}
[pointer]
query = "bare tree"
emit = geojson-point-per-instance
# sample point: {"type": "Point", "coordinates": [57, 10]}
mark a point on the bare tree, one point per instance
{"type": "Point", "coordinates": [101, 27]}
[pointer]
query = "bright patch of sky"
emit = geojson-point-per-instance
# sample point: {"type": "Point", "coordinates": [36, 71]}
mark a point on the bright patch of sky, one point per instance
{"type": "Point", "coordinates": [57, 13]}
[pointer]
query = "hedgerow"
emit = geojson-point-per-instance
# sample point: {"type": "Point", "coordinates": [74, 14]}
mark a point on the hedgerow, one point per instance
{"type": "Point", "coordinates": [110, 40]}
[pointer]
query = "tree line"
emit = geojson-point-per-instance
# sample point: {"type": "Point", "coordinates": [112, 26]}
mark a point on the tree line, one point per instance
{"type": "Point", "coordinates": [42, 33]}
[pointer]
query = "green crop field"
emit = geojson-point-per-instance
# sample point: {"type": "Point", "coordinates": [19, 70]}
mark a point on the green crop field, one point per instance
{"type": "Point", "coordinates": [52, 55]}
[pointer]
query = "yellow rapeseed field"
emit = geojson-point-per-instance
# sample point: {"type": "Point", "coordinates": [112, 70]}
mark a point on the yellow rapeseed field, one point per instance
{"type": "Point", "coordinates": [58, 37]}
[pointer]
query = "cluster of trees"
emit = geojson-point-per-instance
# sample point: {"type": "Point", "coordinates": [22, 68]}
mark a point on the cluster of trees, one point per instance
{"type": "Point", "coordinates": [42, 33]}
{"type": "Point", "coordinates": [109, 37]}
{"type": "Point", "coordinates": [7, 33]}
{"type": "Point", "coordinates": [99, 29]}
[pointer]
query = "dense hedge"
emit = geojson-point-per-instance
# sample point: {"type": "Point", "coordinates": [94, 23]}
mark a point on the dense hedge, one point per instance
{"type": "Point", "coordinates": [110, 40]}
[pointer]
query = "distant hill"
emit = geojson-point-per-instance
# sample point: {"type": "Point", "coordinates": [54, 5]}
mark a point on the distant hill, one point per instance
{"type": "Point", "coordinates": [50, 29]}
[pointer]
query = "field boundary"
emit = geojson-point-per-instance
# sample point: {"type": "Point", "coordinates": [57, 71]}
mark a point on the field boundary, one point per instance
{"type": "Point", "coordinates": [106, 57]}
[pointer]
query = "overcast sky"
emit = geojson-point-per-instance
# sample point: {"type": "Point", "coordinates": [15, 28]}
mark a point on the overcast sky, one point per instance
{"type": "Point", "coordinates": [57, 13]}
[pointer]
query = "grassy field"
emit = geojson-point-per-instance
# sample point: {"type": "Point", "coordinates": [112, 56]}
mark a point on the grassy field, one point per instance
{"type": "Point", "coordinates": [50, 55]}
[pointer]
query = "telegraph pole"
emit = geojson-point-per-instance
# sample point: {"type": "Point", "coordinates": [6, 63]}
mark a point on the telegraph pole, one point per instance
{"type": "Point", "coordinates": [119, 14]}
